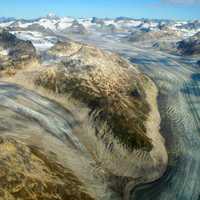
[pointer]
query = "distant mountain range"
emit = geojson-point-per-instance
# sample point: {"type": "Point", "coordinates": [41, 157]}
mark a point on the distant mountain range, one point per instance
{"type": "Point", "coordinates": [53, 23]}
{"type": "Point", "coordinates": [44, 32]}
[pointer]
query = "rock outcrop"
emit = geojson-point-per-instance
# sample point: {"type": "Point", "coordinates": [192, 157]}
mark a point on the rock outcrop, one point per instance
{"type": "Point", "coordinates": [76, 28]}
{"type": "Point", "coordinates": [139, 36]}
{"type": "Point", "coordinates": [198, 63]}
{"type": "Point", "coordinates": [190, 46]}
{"type": "Point", "coordinates": [65, 49]}
{"type": "Point", "coordinates": [26, 172]}
{"type": "Point", "coordinates": [112, 88]}
{"type": "Point", "coordinates": [15, 53]}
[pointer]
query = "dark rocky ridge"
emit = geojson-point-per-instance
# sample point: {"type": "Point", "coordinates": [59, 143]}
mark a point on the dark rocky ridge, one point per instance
{"type": "Point", "coordinates": [190, 46]}
{"type": "Point", "coordinates": [75, 28]}
{"type": "Point", "coordinates": [198, 63]}
{"type": "Point", "coordinates": [19, 53]}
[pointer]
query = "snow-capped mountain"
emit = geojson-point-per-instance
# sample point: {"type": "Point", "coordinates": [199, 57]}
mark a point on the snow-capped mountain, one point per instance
{"type": "Point", "coordinates": [45, 31]}
{"type": "Point", "coordinates": [55, 24]}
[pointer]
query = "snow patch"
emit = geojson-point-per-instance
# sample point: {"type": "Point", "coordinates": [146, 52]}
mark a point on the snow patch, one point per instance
{"type": "Point", "coordinates": [5, 24]}
{"type": "Point", "coordinates": [39, 41]}
{"type": "Point", "coordinates": [4, 52]}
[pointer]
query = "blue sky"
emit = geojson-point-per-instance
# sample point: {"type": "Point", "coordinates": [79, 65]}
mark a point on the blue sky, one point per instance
{"type": "Point", "coordinates": [168, 9]}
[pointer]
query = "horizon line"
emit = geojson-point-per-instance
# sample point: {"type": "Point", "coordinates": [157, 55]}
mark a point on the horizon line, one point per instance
{"type": "Point", "coordinates": [106, 17]}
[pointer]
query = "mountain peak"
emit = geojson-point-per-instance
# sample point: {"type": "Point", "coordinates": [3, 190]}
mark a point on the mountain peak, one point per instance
{"type": "Point", "coordinates": [52, 16]}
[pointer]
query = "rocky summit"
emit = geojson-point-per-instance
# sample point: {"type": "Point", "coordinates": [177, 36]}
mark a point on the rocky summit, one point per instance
{"type": "Point", "coordinates": [114, 90]}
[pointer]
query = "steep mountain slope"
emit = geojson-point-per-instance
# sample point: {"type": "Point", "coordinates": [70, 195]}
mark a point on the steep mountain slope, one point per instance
{"type": "Point", "coordinates": [113, 89]}
{"type": "Point", "coordinates": [75, 28]}
{"type": "Point", "coordinates": [190, 46]}
{"type": "Point", "coordinates": [15, 53]}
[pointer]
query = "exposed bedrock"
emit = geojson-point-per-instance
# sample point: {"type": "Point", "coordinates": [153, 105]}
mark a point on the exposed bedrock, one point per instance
{"type": "Point", "coordinates": [190, 46]}
{"type": "Point", "coordinates": [15, 53]}
{"type": "Point", "coordinates": [27, 172]}
{"type": "Point", "coordinates": [113, 89]}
